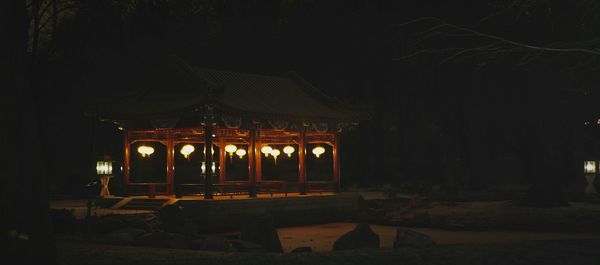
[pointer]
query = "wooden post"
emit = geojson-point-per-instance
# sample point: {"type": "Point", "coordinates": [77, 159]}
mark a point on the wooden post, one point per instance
{"type": "Point", "coordinates": [252, 164]}
{"type": "Point", "coordinates": [170, 164]}
{"type": "Point", "coordinates": [208, 159]}
{"type": "Point", "coordinates": [301, 165]}
{"type": "Point", "coordinates": [336, 162]}
{"type": "Point", "coordinates": [222, 160]}
{"type": "Point", "coordinates": [126, 158]}
{"type": "Point", "coordinates": [258, 158]}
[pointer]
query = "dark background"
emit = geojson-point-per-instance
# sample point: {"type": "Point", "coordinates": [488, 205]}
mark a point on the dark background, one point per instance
{"type": "Point", "coordinates": [469, 121]}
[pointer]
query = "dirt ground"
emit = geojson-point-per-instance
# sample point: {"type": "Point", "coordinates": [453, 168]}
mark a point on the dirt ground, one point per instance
{"type": "Point", "coordinates": [322, 237]}
{"type": "Point", "coordinates": [487, 216]}
{"type": "Point", "coordinates": [582, 252]}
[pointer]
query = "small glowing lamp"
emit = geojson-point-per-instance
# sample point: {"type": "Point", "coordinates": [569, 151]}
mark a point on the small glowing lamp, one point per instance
{"type": "Point", "coordinates": [186, 150]}
{"type": "Point", "coordinates": [212, 151]}
{"type": "Point", "coordinates": [241, 153]}
{"type": "Point", "coordinates": [589, 167]}
{"type": "Point", "coordinates": [230, 148]}
{"type": "Point", "coordinates": [213, 168]}
{"type": "Point", "coordinates": [266, 150]}
{"type": "Point", "coordinates": [318, 151]}
{"type": "Point", "coordinates": [104, 170]}
{"type": "Point", "coordinates": [289, 150]}
{"type": "Point", "coordinates": [275, 153]}
{"type": "Point", "coordinates": [104, 166]}
{"type": "Point", "coordinates": [145, 150]}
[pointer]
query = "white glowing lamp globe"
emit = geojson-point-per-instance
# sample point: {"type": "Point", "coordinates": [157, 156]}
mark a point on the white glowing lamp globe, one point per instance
{"type": "Point", "coordinates": [318, 151]}
{"type": "Point", "coordinates": [241, 153]}
{"type": "Point", "coordinates": [186, 150]}
{"type": "Point", "coordinates": [289, 150]}
{"type": "Point", "coordinates": [145, 150]}
{"type": "Point", "coordinates": [230, 148]}
{"type": "Point", "coordinates": [275, 153]}
{"type": "Point", "coordinates": [266, 150]}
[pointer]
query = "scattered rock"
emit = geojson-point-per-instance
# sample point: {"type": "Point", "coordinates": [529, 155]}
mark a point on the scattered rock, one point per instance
{"type": "Point", "coordinates": [302, 249]}
{"type": "Point", "coordinates": [260, 229]}
{"type": "Point", "coordinates": [172, 218]}
{"type": "Point", "coordinates": [163, 240]}
{"type": "Point", "coordinates": [124, 236]}
{"type": "Point", "coordinates": [410, 238]}
{"type": "Point", "coordinates": [111, 223]}
{"type": "Point", "coordinates": [245, 246]}
{"type": "Point", "coordinates": [189, 228]}
{"type": "Point", "coordinates": [361, 237]}
{"type": "Point", "coordinates": [211, 243]}
{"type": "Point", "coordinates": [63, 220]}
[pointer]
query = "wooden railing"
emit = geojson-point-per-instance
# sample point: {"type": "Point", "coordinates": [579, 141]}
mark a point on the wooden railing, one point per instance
{"type": "Point", "coordinates": [230, 188]}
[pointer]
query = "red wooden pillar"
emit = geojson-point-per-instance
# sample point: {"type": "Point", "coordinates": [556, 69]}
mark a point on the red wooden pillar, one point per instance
{"type": "Point", "coordinates": [336, 162]}
{"type": "Point", "coordinates": [301, 165]}
{"type": "Point", "coordinates": [222, 160]}
{"type": "Point", "coordinates": [126, 158]}
{"type": "Point", "coordinates": [170, 164]}
{"type": "Point", "coordinates": [208, 158]}
{"type": "Point", "coordinates": [258, 158]}
{"type": "Point", "coordinates": [253, 165]}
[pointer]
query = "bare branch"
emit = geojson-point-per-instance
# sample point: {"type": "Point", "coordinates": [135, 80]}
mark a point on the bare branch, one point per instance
{"type": "Point", "coordinates": [438, 30]}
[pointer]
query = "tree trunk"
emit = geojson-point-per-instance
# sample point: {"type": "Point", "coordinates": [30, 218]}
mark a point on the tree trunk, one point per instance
{"type": "Point", "coordinates": [26, 225]}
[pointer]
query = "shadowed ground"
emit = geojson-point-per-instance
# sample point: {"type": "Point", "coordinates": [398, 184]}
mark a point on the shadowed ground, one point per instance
{"type": "Point", "coordinates": [530, 252]}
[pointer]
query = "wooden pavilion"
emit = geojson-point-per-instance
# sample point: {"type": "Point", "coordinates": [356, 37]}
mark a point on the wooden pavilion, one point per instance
{"type": "Point", "coordinates": [266, 133]}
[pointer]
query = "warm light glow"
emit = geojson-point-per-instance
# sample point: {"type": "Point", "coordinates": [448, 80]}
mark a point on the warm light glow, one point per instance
{"type": "Point", "coordinates": [186, 150]}
{"type": "Point", "coordinates": [230, 148]}
{"type": "Point", "coordinates": [275, 153]}
{"type": "Point", "coordinates": [212, 151]}
{"type": "Point", "coordinates": [145, 150]}
{"type": "Point", "coordinates": [318, 151]}
{"type": "Point", "coordinates": [213, 168]}
{"type": "Point", "coordinates": [289, 150]}
{"type": "Point", "coordinates": [104, 167]}
{"type": "Point", "coordinates": [589, 167]}
{"type": "Point", "coordinates": [241, 153]}
{"type": "Point", "coordinates": [266, 150]}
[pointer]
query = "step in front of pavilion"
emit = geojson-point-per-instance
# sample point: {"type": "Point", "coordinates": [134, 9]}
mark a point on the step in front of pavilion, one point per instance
{"type": "Point", "coordinates": [144, 204]}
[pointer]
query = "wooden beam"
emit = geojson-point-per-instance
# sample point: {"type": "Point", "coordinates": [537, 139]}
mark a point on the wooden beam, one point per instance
{"type": "Point", "coordinates": [222, 160]}
{"type": "Point", "coordinates": [208, 159]}
{"type": "Point", "coordinates": [170, 164]}
{"type": "Point", "coordinates": [336, 161]}
{"type": "Point", "coordinates": [126, 158]}
{"type": "Point", "coordinates": [301, 162]}
{"type": "Point", "coordinates": [258, 158]}
{"type": "Point", "coordinates": [252, 164]}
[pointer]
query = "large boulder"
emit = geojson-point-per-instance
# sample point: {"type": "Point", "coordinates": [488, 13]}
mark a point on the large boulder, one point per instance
{"type": "Point", "coordinates": [163, 240]}
{"type": "Point", "coordinates": [124, 236]}
{"type": "Point", "coordinates": [411, 238]}
{"type": "Point", "coordinates": [111, 223]}
{"type": "Point", "coordinates": [172, 218]}
{"type": "Point", "coordinates": [63, 220]}
{"type": "Point", "coordinates": [302, 249]}
{"type": "Point", "coordinates": [245, 246]}
{"type": "Point", "coordinates": [260, 229]}
{"type": "Point", "coordinates": [361, 237]}
{"type": "Point", "coordinates": [211, 243]}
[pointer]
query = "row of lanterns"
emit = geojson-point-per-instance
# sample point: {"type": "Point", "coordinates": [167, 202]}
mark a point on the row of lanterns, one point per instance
{"type": "Point", "coordinates": [188, 149]}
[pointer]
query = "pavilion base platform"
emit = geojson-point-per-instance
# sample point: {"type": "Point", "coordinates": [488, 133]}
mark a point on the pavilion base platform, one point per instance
{"type": "Point", "coordinates": [294, 209]}
{"type": "Point", "coordinates": [227, 212]}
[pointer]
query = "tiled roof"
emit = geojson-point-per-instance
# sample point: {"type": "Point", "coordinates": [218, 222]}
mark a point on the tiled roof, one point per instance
{"type": "Point", "coordinates": [173, 88]}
